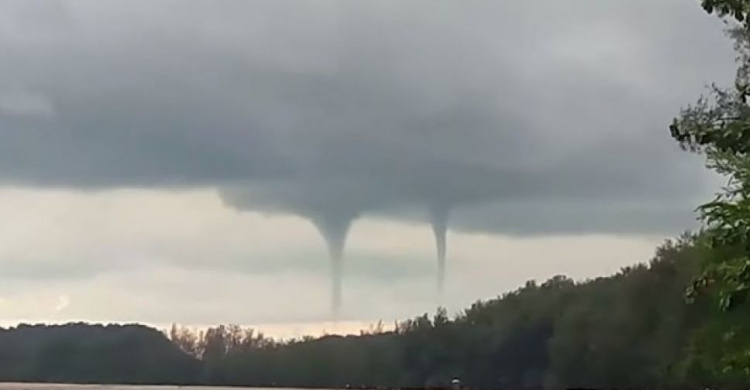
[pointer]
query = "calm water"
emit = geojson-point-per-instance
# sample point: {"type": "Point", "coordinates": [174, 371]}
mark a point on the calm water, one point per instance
{"type": "Point", "coordinates": [39, 386]}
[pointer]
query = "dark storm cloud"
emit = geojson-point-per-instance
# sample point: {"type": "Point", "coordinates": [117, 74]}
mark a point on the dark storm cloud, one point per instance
{"type": "Point", "coordinates": [529, 112]}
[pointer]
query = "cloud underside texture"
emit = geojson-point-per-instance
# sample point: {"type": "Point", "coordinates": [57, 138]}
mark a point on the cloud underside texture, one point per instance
{"type": "Point", "coordinates": [518, 117]}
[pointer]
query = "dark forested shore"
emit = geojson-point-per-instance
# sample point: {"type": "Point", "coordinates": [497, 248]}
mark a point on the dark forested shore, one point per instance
{"type": "Point", "coordinates": [635, 329]}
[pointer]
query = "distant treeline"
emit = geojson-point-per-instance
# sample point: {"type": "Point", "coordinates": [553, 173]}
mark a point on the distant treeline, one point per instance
{"type": "Point", "coordinates": [631, 330]}
{"type": "Point", "coordinates": [82, 353]}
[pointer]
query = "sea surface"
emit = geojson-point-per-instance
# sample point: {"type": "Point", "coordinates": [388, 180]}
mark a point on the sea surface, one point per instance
{"type": "Point", "coordinates": [46, 386]}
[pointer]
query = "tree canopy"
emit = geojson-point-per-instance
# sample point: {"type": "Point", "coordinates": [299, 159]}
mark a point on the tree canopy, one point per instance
{"type": "Point", "coordinates": [718, 126]}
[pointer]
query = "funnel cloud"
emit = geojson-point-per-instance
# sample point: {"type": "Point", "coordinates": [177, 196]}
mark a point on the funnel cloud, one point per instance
{"type": "Point", "coordinates": [334, 229]}
{"type": "Point", "coordinates": [486, 114]}
{"type": "Point", "coordinates": [439, 221]}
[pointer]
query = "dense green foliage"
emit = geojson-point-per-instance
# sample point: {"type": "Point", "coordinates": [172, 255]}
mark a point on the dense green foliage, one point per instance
{"type": "Point", "coordinates": [737, 9]}
{"type": "Point", "coordinates": [719, 127]}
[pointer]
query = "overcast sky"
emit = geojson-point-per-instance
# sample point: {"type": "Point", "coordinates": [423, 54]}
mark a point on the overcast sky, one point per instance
{"type": "Point", "coordinates": [163, 161]}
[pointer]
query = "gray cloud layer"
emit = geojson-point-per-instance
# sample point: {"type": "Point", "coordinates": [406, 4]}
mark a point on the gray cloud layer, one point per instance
{"type": "Point", "coordinates": [529, 117]}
